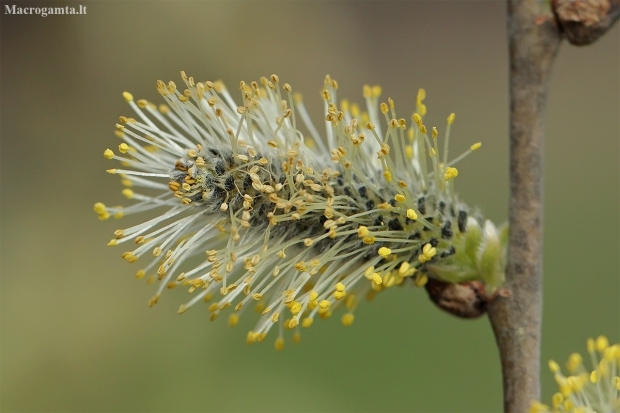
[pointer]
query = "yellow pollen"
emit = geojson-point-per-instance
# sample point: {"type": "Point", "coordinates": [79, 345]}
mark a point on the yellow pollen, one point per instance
{"type": "Point", "coordinates": [428, 252]}
{"type": "Point", "coordinates": [307, 322]}
{"type": "Point", "coordinates": [324, 304]}
{"type": "Point", "coordinates": [450, 173]}
{"type": "Point", "coordinates": [295, 308]}
{"type": "Point", "coordinates": [279, 344]}
{"type": "Point", "coordinates": [602, 343]}
{"type": "Point", "coordinates": [385, 252]}
{"type": "Point", "coordinates": [313, 295]}
{"type": "Point", "coordinates": [362, 232]}
{"type": "Point", "coordinates": [553, 366]}
{"type": "Point", "coordinates": [233, 319]}
{"type": "Point", "coordinates": [123, 148]}
{"type": "Point", "coordinates": [127, 192]}
{"type": "Point", "coordinates": [399, 198]}
{"type": "Point", "coordinates": [369, 240]}
{"type": "Point", "coordinates": [574, 361]}
{"type": "Point", "coordinates": [340, 287]}
{"type": "Point", "coordinates": [411, 214]}
{"type": "Point", "coordinates": [421, 280]}
{"type": "Point", "coordinates": [475, 146]}
{"type": "Point", "coordinates": [451, 118]}
{"type": "Point", "coordinates": [434, 133]}
{"type": "Point", "coordinates": [403, 268]}
{"type": "Point", "coordinates": [128, 96]}
{"type": "Point", "coordinates": [347, 319]}
{"type": "Point", "coordinates": [108, 154]}
{"type": "Point", "coordinates": [376, 278]}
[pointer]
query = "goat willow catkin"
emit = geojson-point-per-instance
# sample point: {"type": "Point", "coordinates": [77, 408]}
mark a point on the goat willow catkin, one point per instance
{"type": "Point", "coordinates": [255, 214]}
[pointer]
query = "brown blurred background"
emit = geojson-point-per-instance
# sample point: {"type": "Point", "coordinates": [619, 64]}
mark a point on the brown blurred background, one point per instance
{"type": "Point", "coordinates": [76, 333]}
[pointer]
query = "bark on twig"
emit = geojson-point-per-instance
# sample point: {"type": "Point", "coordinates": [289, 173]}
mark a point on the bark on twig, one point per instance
{"type": "Point", "coordinates": [534, 39]}
{"type": "Point", "coordinates": [516, 321]}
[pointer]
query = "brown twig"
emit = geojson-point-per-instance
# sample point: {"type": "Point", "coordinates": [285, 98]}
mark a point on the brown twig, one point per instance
{"type": "Point", "coordinates": [534, 38]}
{"type": "Point", "coordinates": [516, 321]}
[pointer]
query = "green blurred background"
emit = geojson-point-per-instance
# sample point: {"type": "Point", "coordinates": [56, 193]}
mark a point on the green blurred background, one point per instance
{"type": "Point", "coordinates": [76, 333]}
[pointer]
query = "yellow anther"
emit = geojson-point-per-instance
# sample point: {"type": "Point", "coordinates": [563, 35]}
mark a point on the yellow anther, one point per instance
{"type": "Point", "coordinates": [385, 252]}
{"type": "Point", "coordinates": [574, 361]}
{"type": "Point", "coordinates": [417, 119]}
{"type": "Point", "coordinates": [451, 118]}
{"type": "Point", "coordinates": [369, 240]}
{"type": "Point", "coordinates": [411, 214]}
{"type": "Point", "coordinates": [388, 176]}
{"type": "Point", "coordinates": [421, 280]}
{"type": "Point", "coordinates": [376, 278]}
{"type": "Point", "coordinates": [384, 108]}
{"type": "Point", "coordinates": [214, 307]}
{"type": "Point", "coordinates": [112, 243]}
{"type": "Point", "coordinates": [233, 319]}
{"type": "Point", "coordinates": [347, 319]}
{"type": "Point", "coordinates": [140, 274]}
{"type": "Point", "coordinates": [409, 151]}
{"type": "Point", "coordinates": [404, 267]}
{"type": "Point", "coordinates": [292, 323]}
{"type": "Point", "coordinates": [295, 308]}
{"type": "Point", "coordinates": [182, 309]}
{"type": "Point", "coordinates": [450, 173]}
{"type": "Point", "coordinates": [423, 129]}
{"type": "Point", "coordinates": [376, 91]}
{"type": "Point", "coordinates": [595, 376]}
{"type": "Point", "coordinates": [251, 337]}
{"type": "Point", "coordinates": [111, 171]}
{"type": "Point", "coordinates": [127, 192]}
{"type": "Point", "coordinates": [370, 126]}
{"type": "Point", "coordinates": [340, 287]}
{"type": "Point", "coordinates": [99, 208]}
{"type": "Point", "coordinates": [537, 407]}
{"type": "Point", "coordinates": [475, 146]}
{"type": "Point", "coordinates": [338, 295]}
{"type": "Point", "coordinates": [123, 148]}
{"type": "Point", "coordinates": [602, 343]}
{"type": "Point", "coordinates": [362, 231]}
{"type": "Point", "coordinates": [553, 366]}
{"type": "Point", "coordinates": [279, 344]}
{"type": "Point", "coordinates": [421, 95]}
{"type": "Point", "coordinates": [324, 304]}
{"type": "Point", "coordinates": [307, 322]}
{"type": "Point", "coordinates": [591, 345]}
{"type": "Point", "coordinates": [313, 295]}
{"type": "Point", "coordinates": [434, 133]}
{"type": "Point", "coordinates": [108, 154]}
{"type": "Point", "coordinates": [399, 198]}
{"type": "Point", "coordinates": [153, 300]}
{"type": "Point", "coordinates": [557, 400]}
{"type": "Point", "coordinates": [428, 252]}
